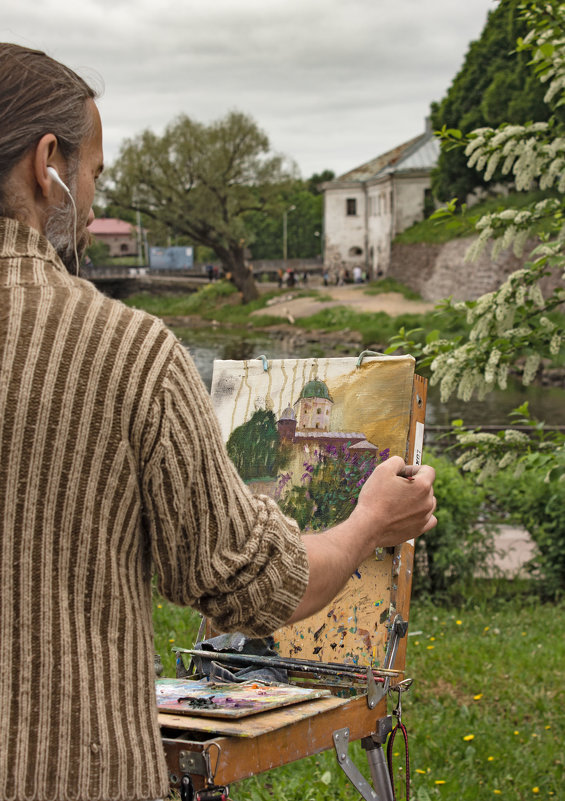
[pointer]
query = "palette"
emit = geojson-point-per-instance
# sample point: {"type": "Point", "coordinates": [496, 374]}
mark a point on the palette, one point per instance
{"type": "Point", "coordinates": [213, 699]}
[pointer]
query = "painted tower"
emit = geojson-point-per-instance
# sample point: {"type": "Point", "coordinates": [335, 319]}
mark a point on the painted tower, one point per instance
{"type": "Point", "coordinates": [287, 425]}
{"type": "Point", "coordinates": [313, 407]}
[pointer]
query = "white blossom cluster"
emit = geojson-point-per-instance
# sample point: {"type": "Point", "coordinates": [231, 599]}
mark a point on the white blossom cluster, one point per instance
{"type": "Point", "coordinates": [511, 227]}
{"type": "Point", "coordinates": [548, 50]}
{"type": "Point", "coordinates": [504, 325]}
{"type": "Point", "coordinates": [510, 328]}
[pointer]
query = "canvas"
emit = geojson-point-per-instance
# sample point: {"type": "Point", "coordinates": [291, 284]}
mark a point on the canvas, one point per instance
{"type": "Point", "coordinates": [308, 432]}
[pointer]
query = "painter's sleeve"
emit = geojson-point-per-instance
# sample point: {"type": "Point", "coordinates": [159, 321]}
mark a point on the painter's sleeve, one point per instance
{"type": "Point", "coordinates": [232, 555]}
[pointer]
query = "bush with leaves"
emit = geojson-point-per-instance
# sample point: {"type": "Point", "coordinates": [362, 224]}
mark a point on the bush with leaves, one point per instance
{"type": "Point", "coordinates": [449, 556]}
{"type": "Point", "coordinates": [539, 505]}
{"type": "Point", "coordinates": [518, 327]}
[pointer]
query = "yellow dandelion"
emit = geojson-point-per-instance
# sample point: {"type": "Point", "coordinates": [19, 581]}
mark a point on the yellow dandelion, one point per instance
{"type": "Point", "coordinates": [459, 622]}
{"type": "Point", "coordinates": [535, 789]}
{"type": "Point", "coordinates": [516, 731]}
{"type": "Point", "coordinates": [548, 727]}
{"type": "Point", "coordinates": [159, 606]}
{"type": "Point", "coordinates": [490, 759]}
{"type": "Point", "coordinates": [417, 642]}
{"type": "Point", "coordinates": [430, 647]}
{"type": "Point", "coordinates": [172, 639]}
{"type": "Point", "coordinates": [497, 792]}
{"type": "Point", "coordinates": [486, 628]}
{"type": "Point", "coordinates": [477, 697]}
{"type": "Point", "coordinates": [432, 639]}
{"type": "Point", "coordinates": [469, 737]}
{"type": "Point", "coordinates": [440, 781]}
{"type": "Point", "coordinates": [422, 772]}
{"type": "Point", "coordinates": [523, 634]}
{"type": "Point", "coordinates": [534, 735]}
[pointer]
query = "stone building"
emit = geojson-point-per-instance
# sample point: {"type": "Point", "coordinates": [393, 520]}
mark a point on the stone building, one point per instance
{"type": "Point", "coordinates": [365, 208]}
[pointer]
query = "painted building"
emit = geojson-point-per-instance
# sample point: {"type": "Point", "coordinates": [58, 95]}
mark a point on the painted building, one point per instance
{"type": "Point", "coordinates": [308, 423]}
{"type": "Point", "coordinates": [120, 236]}
{"type": "Point", "coordinates": [365, 208]}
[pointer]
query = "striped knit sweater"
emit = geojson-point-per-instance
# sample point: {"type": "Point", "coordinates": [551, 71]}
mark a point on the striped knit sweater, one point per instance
{"type": "Point", "coordinates": [112, 468]}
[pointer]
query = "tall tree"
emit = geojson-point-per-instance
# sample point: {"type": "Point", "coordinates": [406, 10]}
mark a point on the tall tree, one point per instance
{"type": "Point", "coordinates": [304, 213]}
{"type": "Point", "coordinates": [494, 85]}
{"type": "Point", "coordinates": [203, 182]}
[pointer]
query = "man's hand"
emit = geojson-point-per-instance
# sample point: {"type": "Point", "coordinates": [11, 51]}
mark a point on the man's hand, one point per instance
{"type": "Point", "coordinates": [391, 509]}
{"type": "Point", "coordinates": [396, 504]}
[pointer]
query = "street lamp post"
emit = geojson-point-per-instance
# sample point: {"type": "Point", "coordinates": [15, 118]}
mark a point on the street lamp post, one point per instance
{"type": "Point", "coordinates": [285, 213]}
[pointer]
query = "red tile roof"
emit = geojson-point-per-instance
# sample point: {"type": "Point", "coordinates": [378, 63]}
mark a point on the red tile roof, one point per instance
{"type": "Point", "coordinates": [110, 225]}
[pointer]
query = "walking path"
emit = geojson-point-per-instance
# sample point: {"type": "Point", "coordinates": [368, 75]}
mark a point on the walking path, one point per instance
{"type": "Point", "coordinates": [513, 547]}
{"type": "Point", "coordinates": [353, 296]}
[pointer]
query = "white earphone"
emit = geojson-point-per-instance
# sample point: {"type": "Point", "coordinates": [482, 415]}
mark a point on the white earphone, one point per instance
{"type": "Point", "coordinates": [57, 178]}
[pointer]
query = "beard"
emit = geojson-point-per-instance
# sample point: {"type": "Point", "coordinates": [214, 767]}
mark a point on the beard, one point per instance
{"type": "Point", "coordinates": [60, 230]}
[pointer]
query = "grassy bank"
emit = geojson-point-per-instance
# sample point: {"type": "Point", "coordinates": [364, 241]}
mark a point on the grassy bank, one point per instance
{"type": "Point", "coordinates": [444, 229]}
{"type": "Point", "coordinates": [220, 302]}
{"type": "Point", "coordinates": [485, 715]}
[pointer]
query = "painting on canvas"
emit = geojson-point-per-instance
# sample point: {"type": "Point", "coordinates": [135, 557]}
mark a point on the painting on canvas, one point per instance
{"type": "Point", "coordinates": [308, 432]}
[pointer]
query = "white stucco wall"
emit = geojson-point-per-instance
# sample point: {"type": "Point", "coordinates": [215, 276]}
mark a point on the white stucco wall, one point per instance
{"type": "Point", "coordinates": [379, 225]}
{"type": "Point", "coordinates": [409, 200]}
{"type": "Point", "coordinates": [389, 205]}
{"type": "Point", "coordinates": [344, 233]}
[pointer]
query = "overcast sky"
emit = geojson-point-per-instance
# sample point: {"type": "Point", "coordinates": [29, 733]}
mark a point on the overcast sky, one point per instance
{"type": "Point", "coordinates": [333, 83]}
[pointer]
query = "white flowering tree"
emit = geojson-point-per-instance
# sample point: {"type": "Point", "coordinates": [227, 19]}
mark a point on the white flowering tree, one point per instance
{"type": "Point", "coordinates": [516, 327]}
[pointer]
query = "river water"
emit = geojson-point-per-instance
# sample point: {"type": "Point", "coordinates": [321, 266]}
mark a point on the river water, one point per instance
{"type": "Point", "coordinates": [545, 403]}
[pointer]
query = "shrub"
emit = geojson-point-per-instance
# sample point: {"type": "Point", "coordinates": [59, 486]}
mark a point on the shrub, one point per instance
{"type": "Point", "coordinates": [450, 555]}
{"type": "Point", "coordinates": [537, 502]}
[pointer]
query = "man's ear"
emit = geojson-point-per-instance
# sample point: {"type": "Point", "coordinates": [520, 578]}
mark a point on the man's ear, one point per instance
{"type": "Point", "coordinates": [46, 155]}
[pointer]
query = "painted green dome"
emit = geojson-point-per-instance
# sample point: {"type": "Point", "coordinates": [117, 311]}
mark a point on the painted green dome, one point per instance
{"type": "Point", "coordinates": [315, 389]}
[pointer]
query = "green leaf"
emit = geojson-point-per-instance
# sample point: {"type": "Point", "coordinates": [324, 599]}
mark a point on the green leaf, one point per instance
{"type": "Point", "coordinates": [433, 336]}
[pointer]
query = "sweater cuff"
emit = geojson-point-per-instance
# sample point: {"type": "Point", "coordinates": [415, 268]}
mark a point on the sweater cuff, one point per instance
{"type": "Point", "coordinates": [265, 604]}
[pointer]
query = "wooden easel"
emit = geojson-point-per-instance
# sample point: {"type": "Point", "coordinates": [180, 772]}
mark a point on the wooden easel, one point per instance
{"type": "Point", "coordinates": [204, 752]}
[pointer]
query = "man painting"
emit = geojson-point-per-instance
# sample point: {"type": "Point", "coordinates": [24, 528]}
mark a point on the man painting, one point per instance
{"type": "Point", "coordinates": [112, 470]}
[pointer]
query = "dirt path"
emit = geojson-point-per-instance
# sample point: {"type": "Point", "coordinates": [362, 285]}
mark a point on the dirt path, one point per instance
{"type": "Point", "coordinates": [352, 296]}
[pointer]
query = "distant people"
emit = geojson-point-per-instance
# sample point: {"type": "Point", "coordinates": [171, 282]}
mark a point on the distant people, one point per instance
{"type": "Point", "coordinates": [357, 275]}
{"type": "Point", "coordinates": [290, 277]}
{"type": "Point", "coordinates": [210, 271]}
{"type": "Point", "coordinates": [305, 278]}
{"type": "Point", "coordinates": [326, 278]}
{"type": "Point", "coordinates": [280, 277]}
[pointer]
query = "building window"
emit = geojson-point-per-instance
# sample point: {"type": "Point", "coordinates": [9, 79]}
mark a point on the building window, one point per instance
{"type": "Point", "coordinates": [351, 206]}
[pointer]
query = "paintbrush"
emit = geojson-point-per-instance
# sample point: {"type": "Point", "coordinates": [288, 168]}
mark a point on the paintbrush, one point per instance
{"type": "Point", "coordinates": [303, 665]}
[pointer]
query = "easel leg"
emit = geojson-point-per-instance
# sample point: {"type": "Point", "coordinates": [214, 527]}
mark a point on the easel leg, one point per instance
{"type": "Point", "coordinates": [379, 768]}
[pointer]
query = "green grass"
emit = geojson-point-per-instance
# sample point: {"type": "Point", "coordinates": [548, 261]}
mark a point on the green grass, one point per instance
{"type": "Point", "coordinates": [485, 715]}
{"type": "Point", "coordinates": [391, 285]}
{"type": "Point", "coordinates": [376, 328]}
{"type": "Point", "coordinates": [220, 301]}
{"type": "Point", "coordinates": [447, 228]}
